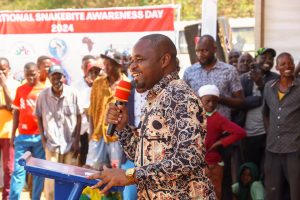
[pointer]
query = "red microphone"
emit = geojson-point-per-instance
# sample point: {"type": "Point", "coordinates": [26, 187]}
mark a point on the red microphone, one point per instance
{"type": "Point", "coordinates": [122, 93]}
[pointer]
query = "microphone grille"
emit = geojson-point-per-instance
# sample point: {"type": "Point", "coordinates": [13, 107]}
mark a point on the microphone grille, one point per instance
{"type": "Point", "coordinates": [122, 91]}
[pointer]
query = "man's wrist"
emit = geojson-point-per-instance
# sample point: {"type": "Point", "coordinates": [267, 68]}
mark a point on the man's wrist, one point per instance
{"type": "Point", "coordinates": [131, 176]}
{"type": "Point", "coordinates": [125, 129]}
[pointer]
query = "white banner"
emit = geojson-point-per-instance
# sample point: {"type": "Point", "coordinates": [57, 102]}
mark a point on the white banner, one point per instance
{"type": "Point", "coordinates": [68, 35]}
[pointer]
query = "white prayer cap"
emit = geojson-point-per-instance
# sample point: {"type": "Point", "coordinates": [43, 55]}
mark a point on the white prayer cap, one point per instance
{"type": "Point", "coordinates": [208, 90]}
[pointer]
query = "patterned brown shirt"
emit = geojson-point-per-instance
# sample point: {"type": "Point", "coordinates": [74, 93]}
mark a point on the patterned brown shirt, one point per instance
{"type": "Point", "coordinates": [168, 149]}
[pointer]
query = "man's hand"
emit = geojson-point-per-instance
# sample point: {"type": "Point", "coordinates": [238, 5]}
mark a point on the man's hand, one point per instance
{"type": "Point", "coordinates": [117, 115]}
{"type": "Point", "coordinates": [110, 178]}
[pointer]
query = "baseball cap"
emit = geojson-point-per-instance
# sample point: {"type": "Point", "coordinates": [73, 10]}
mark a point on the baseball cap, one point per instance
{"type": "Point", "coordinates": [113, 54]}
{"type": "Point", "coordinates": [92, 65]}
{"type": "Point", "coordinates": [263, 50]}
{"type": "Point", "coordinates": [55, 69]}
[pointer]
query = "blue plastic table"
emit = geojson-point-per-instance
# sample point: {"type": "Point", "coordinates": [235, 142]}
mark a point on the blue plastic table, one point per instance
{"type": "Point", "coordinates": [69, 180]}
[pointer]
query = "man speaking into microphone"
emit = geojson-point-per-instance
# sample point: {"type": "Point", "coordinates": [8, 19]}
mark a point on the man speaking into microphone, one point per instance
{"type": "Point", "coordinates": [168, 149]}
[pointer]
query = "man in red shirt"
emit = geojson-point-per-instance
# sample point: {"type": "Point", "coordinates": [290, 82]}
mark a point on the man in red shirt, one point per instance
{"type": "Point", "coordinates": [29, 138]}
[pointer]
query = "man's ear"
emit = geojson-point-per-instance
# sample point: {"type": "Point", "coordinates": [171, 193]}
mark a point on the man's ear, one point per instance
{"type": "Point", "coordinates": [215, 48]}
{"type": "Point", "coordinates": [165, 60]}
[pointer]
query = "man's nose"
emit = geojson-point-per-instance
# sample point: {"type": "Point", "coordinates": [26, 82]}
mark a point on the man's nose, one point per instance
{"type": "Point", "coordinates": [132, 66]}
{"type": "Point", "coordinates": [199, 53]}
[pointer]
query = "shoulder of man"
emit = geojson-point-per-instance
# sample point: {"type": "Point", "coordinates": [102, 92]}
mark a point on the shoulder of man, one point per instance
{"type": "Point", "coordinates": [45, 91]}
{"type": "Point", "coordinates": [245, 78]}
{"type": "Point", "coordinates": [180, 85]}
{"type": "Point", "coordinates": [192, 67]}
{"type": "Point", "coordinates": [226, 65]}
{"type": "Point", "coordinates": [268, 86]}
{"type": "Point", "coordinates": [100, 79]}
{"type": "Point", "coordinates": [271, 83]}
{"type": "Point", "coordinates": [179, 92]}
{"type": "Point", "coordinates": [21, 86]}
{"type": "Point", "coordinates": [43, 95]}
{"type": "Point", "coordinates": [274, 74]}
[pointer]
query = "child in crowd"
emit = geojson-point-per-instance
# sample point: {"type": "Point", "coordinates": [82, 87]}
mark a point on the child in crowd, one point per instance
{"type": "Point", "coordinates": [217, 125]}
{"type": "Point", "coordinates": [248, 187]}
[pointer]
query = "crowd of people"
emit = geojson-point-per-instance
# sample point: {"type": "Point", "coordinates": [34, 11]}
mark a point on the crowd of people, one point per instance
{"type": "Point", "coordinates": [224, 131]}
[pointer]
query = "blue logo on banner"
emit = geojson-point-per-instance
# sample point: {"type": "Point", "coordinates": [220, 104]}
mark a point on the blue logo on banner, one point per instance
{"type": "Point", "coordinates": [58, 48]}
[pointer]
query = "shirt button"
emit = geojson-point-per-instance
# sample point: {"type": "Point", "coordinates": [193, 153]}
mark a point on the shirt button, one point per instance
{"type": "Point", "coordinates": [278, 137]}
{"type": "Point", "coordinates": [278, 126]}
{"type": "Point", "coordinates": [278, 117]}
{"type": "Point", "coordinates": [279, 108]}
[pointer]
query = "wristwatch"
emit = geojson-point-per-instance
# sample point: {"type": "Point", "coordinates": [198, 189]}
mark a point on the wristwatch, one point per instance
{"type": "Point", "coordinates": [130, 175]}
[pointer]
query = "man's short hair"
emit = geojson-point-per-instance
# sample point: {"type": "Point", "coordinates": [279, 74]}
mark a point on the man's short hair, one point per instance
{"type": "Point", "coordinates": [159, 39]}
{"type": "Point", "coordinates": [41, 58]}
{"type": "Point", "coordinates": [29, 65]}
{"type": "Point", "coordinates": [87, 57]}
{"type": "Point", "coordinates": [6, 60]}
{"type": "Point", "coordinates": [284, 54]}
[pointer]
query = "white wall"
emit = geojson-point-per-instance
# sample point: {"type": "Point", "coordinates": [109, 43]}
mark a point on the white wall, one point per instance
{"type": "Point", "coordinates": [282, 26]}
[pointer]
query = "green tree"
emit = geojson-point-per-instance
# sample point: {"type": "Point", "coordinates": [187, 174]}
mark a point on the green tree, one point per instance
{"type": "Point", "coordinates": [190, 9]}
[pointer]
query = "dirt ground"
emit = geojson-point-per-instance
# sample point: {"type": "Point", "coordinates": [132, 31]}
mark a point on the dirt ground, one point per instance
{"type": "Point", "coordinates": [24, 195]}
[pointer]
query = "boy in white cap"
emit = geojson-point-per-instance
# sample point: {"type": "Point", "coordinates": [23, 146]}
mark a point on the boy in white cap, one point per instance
{"type": "Point", "coordinates": [217, 125]}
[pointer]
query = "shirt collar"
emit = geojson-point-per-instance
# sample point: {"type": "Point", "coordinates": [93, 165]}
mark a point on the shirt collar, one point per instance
{"type": "Point", "coordinates": [210, 113]}
{"type": "Point", "coordinates": [157, 88]}
{"type": "Point", "coordinates": [296, 82]}
{"type": "Point", "coordinates": [274, 83]}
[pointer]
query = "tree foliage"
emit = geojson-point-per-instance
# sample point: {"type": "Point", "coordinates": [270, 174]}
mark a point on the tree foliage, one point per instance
{"type": "Point", "coordinates": [190, 9]}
